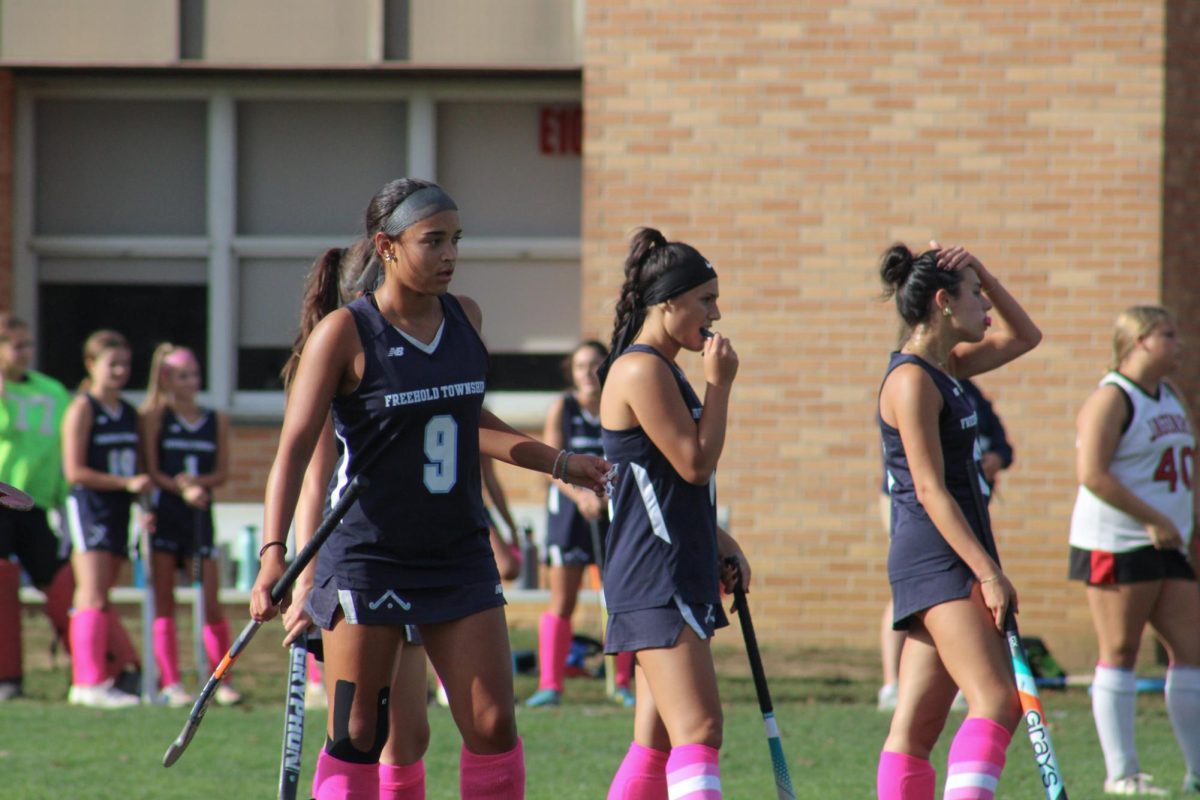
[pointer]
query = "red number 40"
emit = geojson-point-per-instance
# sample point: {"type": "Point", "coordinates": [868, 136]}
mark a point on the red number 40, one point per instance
{"type": "Point", "coordinates": [1167, 470]}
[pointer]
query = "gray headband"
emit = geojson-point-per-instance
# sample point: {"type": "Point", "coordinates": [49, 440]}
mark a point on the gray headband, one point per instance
{"type": "Point", "coordinates": [420, 205]}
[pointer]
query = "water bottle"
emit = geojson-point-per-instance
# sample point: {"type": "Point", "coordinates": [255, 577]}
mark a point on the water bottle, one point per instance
{"type": "Point", "coordinates": [529, 559]}
{"type": "Point", "coordinates": [247, 558]}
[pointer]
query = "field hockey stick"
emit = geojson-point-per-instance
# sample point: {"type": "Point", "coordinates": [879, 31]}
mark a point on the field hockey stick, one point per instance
{"type": "Point", "coordinates": [610, 662]}
{"type": "Point", "coordinates": [1035, 717]}
{"type": "Point", "coordinates": [278, 592]}
{"type": "Point", "coordinates": [150, 694]}
{"type": "Point", "coordinates": [783, 777]}
{"type": "Point", "coordinates": [198, 596]}
{"type": "Point", "coordinates": [293, 719]}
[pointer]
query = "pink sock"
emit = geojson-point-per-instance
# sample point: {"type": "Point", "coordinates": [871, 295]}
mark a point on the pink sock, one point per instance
{"type": "Point", "coordinates": [554, 643]}
{"type": "Point", "coordinates": [693, 773]}
{"type": "Point", "coordinates": [216, 643]}
{"type": "Point", "coordinates": [976, 760]}
{"type": "Point", "coordinates": [642, 776]}
{"type": "Point", "coordinates": [89, 641]}
{"type": "Point", "coordinates": [314, 669]}
{"type": "Point", "coordinates": [335, 779]}
{"type": "Point", "coordinates": [166, 650]}
{"type": "Point", "coordinates": [402, 781]}
{"type": "Point", "coordinates": [495, 777]}
{"type": "Point", "coordinates": [119, 652]}
{"type": "Point", "coordinates": [624, 674]}
{"type": "Point", "coordinates": [904, 777]}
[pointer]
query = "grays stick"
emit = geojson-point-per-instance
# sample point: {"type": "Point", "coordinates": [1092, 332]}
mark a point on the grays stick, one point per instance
{"type": "Point", "coordinates": [198, 596]}
{"type": "Point", "coordinates": [150, 693]}
{"type": "Point", "coordinates": [278, 592]}
{"type": "Point", "coordinates": [783, 777]}
{"type": "Point", "coordinates": [293, 719]}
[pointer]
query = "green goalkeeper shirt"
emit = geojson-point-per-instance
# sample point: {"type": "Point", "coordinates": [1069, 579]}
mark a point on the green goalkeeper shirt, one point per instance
{"type": "Point", "coordinates": [31, 417]}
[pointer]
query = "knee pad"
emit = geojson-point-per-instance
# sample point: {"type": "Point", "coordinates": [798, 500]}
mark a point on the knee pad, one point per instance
{"type": "Point", "coordinates": [340, 746]}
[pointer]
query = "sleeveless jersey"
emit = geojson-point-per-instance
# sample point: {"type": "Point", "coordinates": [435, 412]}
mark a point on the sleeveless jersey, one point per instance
{"type": "Point", "coordinates": [1155, 460]}
{"type": "Point", "coordinates": [917, 547]}
{"type": "Point", "coordinates": [421, 523]}
{"type": "Point", "coordinates": [112, 448]}
{"type": "Point", "coordinates": [188, 447]}
{"type": "Point", "coordinates": [31, 415]}
{"type": "Point", "coordinates": [662, 540]}
{"type": "Point", "coordinates": [580, 433]}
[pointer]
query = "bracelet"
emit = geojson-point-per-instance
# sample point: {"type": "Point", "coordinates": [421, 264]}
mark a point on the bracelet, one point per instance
{"type": "Point", "coordinates": [559, 470]}
{"type": "Point", "coordinates": [991, 579]}
{"type": "Point", "coordinates": [268, 546]}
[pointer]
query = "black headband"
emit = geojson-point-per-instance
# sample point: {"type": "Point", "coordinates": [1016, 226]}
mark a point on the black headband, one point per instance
{"type": "Point", "coordinates": [685, 274]}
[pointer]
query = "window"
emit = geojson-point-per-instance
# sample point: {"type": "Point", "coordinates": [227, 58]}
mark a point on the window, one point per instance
{"type": "Point", "coordinates": [190, 209]}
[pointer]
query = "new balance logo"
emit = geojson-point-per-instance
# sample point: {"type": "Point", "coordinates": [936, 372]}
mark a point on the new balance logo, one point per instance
{"type": "Point", "coordinates": [395, 352]}
{"type": "Point", "coordinates": [709, 617]}
{"type": "Point", "coordinates": [392, 599]}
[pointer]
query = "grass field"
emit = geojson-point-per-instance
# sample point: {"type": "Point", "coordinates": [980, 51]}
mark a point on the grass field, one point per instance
{"type": "Point", "coordinates": [824, 701]}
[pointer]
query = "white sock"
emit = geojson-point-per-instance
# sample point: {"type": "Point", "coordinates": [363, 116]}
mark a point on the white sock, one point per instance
{"type": "Point", "coordinates": [1183, 706]}
{"type": "Point", "coordinates": [1114, 695]}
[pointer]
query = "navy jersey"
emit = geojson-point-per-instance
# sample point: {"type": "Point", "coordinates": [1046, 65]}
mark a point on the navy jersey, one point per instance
{"type": "Point", "coordinates": [422, 521]}
{"type": "Point", "coordinates": [662, 540]}
{"type": "Point", "coordinates": [112, 448]}
{"type": "Point", "coordinates": [580, 433]}
{"type": "Point", "coordinates": [918, 548]}
{"type": "Point", "coordinates": [187, 447]}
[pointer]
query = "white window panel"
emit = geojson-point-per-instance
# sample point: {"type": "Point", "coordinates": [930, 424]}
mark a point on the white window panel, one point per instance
{"type": "Point", "coordinates": [528, 306]}
{"type": "Point", "coordinates": [308, 168]}
{"type": "Point", "coordinates": [112, 167]}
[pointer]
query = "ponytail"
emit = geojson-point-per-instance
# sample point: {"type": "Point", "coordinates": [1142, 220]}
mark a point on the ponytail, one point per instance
{"type": "Point", "coordinates": [321, 296]}
{"type": "Point", "coordinates": [156, 390]}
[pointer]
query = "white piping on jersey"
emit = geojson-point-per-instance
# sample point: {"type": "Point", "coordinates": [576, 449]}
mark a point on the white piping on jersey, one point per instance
{"type": "Point", "coordinates": [346, 601]}
{"type": "Point", "coordinates": [552, 503]}
{"type": "Point", "coordinates": [113, 413]}
{"type": "Point", "coordinates": [417, 343]}
{"type": "Point", "coordinates": [75, 524]}
{"type": "Point", "coordinates": [686, 611]}
{"type": "Point", "coordinates": [653, 510]}
{"type": "Point", "coordinates": [343, 473]}
{"type": "Point", "coordinates": [192, 427]}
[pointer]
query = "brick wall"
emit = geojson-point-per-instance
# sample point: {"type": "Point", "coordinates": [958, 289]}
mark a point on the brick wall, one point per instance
{"type": "Point", "coordinates": [792, 143]}
{"type": "Point", "coordinates": [6, 187]}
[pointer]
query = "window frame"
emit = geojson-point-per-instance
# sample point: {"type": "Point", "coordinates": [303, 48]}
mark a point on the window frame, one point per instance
{"type": "Point", "coordinates": [222, 247]}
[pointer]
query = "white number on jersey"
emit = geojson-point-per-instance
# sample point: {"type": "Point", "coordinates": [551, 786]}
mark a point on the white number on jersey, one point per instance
{"type": "Point", "coordinates": [441, 448]}
{"type": "Point", "coordinates": [122, 462]}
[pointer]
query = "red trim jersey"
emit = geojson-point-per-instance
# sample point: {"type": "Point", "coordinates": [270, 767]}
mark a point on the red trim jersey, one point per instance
{"type": "Point", "coordinates": [1154, 460]}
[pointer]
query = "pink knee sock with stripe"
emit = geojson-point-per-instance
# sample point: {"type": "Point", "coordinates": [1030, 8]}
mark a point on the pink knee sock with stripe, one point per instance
{"type": "Point", "coordinates": [336, 779]}
{"type": "Point", "coordinates": [904, 777]}
{"type": "Point", "coordinates": [642, 775]}
{"type": "Point", "coordinates": [976, 760]}
{"type": "Point", "coordinates": [554, 643]}
{"type": "Point", "coordinates": [216, 642]}
{"type": "Point", "coordinates": [492, 777]}
{"type": "Point", "coordinates": [314, 669]}
{"type": "Point", "coordinates": [402, 781]}
{"type": "Point", "coordinates": [89, 643]}
{"type": "Point", "coordinates": [166, 650]}
{"type": "Point", "coordinates": [693, 773]}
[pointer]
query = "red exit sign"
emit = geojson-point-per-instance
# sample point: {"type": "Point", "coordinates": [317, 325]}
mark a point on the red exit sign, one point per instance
{"type": "Point", "coordinates": [560, 130]}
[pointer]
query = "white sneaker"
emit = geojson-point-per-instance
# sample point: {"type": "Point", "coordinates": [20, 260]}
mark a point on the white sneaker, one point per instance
{"type": "Point", "coordinates": [176, 696]}
{"type": "Point", "coordinates": [1139, 785]}
{"type": "Point", "coordinates": [887, 697]}
{"type": "Point", "coordinates": [226, 695]}
{"type": "Point", "coordinates": [315, 696]}
{"type": "Point", "coordinates": [102, 695]}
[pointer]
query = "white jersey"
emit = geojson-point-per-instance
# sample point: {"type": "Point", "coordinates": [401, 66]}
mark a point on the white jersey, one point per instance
{"type": "Point", "coordinates": [1154, 460]}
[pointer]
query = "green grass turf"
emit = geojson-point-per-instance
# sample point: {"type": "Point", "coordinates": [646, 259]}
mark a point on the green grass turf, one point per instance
{"type": "Point", "coordinates": [824, 701]}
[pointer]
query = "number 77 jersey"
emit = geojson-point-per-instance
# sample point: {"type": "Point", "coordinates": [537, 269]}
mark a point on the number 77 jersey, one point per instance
{"type": "Point", "coordinates": [424, 512]}
{"type": "Point", "coordinates": [1154, 459]}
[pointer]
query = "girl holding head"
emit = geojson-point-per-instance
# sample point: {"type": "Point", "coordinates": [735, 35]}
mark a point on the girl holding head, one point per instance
{"type": "Point", "coordinates": [186, 453]}
{"type": "Point", "coordinates": [664, 554]}
{"type": "Point", "coordinates": [100, 461]}
{"type": "Point", "coordinates": [1133, 541]}
{"type": "Point", "coordinates": [573, 516]}
{"type": "Point", "coordinates": [949, 592]}
{"type": "Point", "coordinates": [404, 371]}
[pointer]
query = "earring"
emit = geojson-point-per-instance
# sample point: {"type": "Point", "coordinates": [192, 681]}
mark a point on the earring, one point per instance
{"type": "Point", "coordinates": [946, 311]}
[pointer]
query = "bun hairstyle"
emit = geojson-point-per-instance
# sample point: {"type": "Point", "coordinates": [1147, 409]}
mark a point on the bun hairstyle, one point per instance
{"type": "Point", "coordinates": [650, 269]}
{"type": "Point", "coordinates": [334, 279]}
{"type": "Point", "coordinates": [914, 280]}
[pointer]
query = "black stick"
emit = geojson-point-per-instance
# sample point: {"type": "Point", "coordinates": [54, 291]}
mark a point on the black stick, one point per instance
{"type": "Point", "coordinates": [278, 592]}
